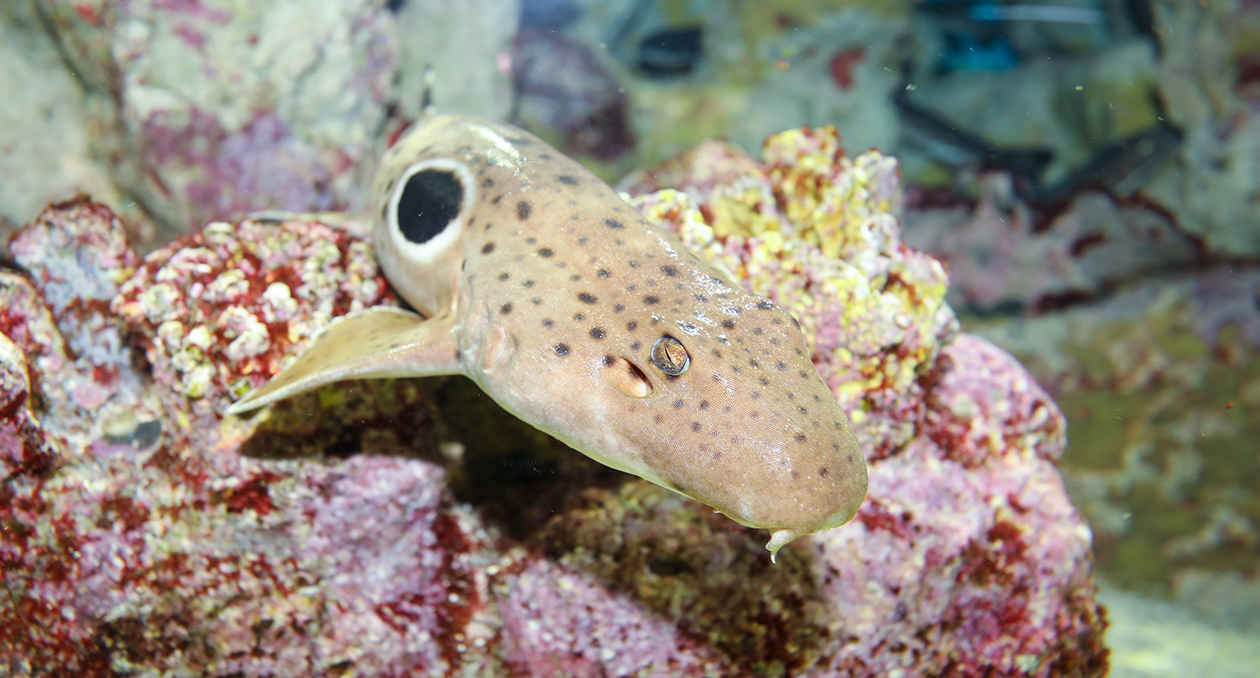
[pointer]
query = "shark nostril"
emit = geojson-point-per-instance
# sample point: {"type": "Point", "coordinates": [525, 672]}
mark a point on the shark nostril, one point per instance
{"type": "Point", "coordinates": [670, 356]}
{"type": "Point", "coordinates": [626, 377]}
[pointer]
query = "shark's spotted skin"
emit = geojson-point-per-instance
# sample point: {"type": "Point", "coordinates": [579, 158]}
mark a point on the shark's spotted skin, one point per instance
{"type": "Point", "coordinates": [581, 318]}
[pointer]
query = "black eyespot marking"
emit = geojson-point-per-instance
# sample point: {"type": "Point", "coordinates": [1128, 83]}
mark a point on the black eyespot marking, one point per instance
{"type": "Point", "coordinates": [799, 437]}
{"type": "Point", "coordinates": [523, 210]}
{"type": "Point", "coordinates": [670, 356]}
{"type": "Point", "coordinates": [804, 374]}
{"type": "Point", "coordinates": [780, 366]}
{"type": "Point", "coordinates": [614, 224]}
{"type": "Point", "coordinates": [728, 324]}
{"type": "Point", "coordinates": [619, 308]}
{"type": "Point", "coordinates": [753, 363]}
{"type": "Point", "coordinates": [632, 326]}
{"type": "Point", "coordinates": [579, 316]}
{"type": "Point", "coordinates": [545, 252]}
{"type": "Point", "coordinates": [803, 410]}
{"type": "Point", "coordinates": [678, 404]}
{"type": "Point", "coordinates": [548, 322]}
{"type": "Point", "coordinates": [704, 404]}
{"type": "Point", "coordinates": [701, 298]}
{"type": "Point", "coordinates": [650, 300]}
{"type": "Point", "coordinates": [597, 333]}
{"type": "Point", "coordinates": [823, 471]}
{"type": "Point", "coordinates": [562, 350]}
{"type": "Point", "coordinates": [527, 284]}
{"type": "Point", "coordinates": [505, 309]}
{"type": "Point", "coordinates": [669, 270]}
{"type": "Point", "coordinates": [587, 298]}
{"type": "Point", "coordinates": [758, 330]}
{"type": "Point", "coordinates": [636, 346]}
{"type": "Point", "coordinates": [531, 241]}
{"type": "Point", "coordinates": [504, 275]}
{"type": "Point", "coordinates": [764, 381]}
{"type": "Point", "coordinates": [765, 305]}
{"type": "Point", "coordinates": [487, 182]}
{"type": "Point", "coordinates": [567, 180]}
{"type": "Point", "coordinates": [609, 361]}
{"type": "Point", "coordinates": [536, 301]}
{"type": "Point", "coordinates": [603, 273]}
{"type": "Point", "coordinates": [431, 199]}
{"type": "Point", "coordinates": [695, 426]}
{"type": "Point", "coordinates": [717, 353]}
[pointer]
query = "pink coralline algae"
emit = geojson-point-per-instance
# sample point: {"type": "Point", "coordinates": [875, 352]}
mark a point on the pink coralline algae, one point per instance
{"type": "Point", "coordinates": [563, 86]}
{"type": "Point", "coordinates": [153, 536]}
{"type": "Point", "coordinates": [215, 108]}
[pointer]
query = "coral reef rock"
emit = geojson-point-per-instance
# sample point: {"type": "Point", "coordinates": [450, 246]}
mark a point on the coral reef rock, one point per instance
{"type": "Point", "coordinates": [1161, 383]}
{"type": "Point", "coordinates": [207, 110]}
{"type": "Point", "coordinates": [405, 528]}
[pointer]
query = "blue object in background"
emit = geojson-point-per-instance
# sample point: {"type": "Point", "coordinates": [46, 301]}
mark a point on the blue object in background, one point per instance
{"type": "Point", "coordinates": [967, 53]}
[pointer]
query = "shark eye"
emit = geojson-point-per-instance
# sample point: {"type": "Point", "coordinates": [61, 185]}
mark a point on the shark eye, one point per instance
{"type": "Point", "coordinates": [429, 200]}
{"type": "Point", "coordinates": [670, 356]}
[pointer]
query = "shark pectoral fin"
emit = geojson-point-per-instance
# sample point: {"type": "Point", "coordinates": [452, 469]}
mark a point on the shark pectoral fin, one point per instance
{"type": "Point", "coordinates": [377, 343]}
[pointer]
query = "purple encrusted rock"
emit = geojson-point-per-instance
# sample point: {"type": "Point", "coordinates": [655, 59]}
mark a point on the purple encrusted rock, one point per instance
{"type": "Point", "coordinates": [215, 108]}
{"type": "Point", "coordinates": [1003, 253]}
{"type": "Point", "coordinates": [563, 86]}
{"type": "Point", "coordinates": [1161, 385]}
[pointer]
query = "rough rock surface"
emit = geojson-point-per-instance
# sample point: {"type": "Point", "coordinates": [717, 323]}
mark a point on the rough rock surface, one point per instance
{"type": "Point", "coordinates": [180, 112]}
{"type": "Point", "coordinates": [148, 534]}
{"type": "Point", "coordinates": [223, 107]}
{"type": "Point", "coordinates": [1001, 257]}
{"type": "Point", "coordinates": [1161, 384]}
{"type": "Point", "coordinates": [45, 127]}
